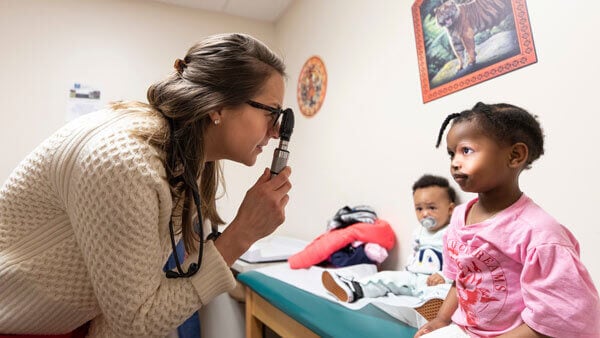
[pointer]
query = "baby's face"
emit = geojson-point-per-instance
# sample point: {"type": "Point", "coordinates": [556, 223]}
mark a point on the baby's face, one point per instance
{"type": "Point", "coordinates": [433, 202]}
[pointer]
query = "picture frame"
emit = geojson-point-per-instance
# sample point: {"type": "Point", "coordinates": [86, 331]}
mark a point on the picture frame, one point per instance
{"type": "Point", "coordinates": [461, 43]}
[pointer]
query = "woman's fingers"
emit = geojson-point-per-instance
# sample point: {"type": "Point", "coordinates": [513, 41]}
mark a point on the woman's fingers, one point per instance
{"type": "Point", "coordinates": [264, 177]}
{"type": "Point", "coordinates": [285, 200]}
{"type": "Point", "coordinates": [285, 188]}
{"type": "Point", "coordinates": [280, 179]}
{"type": "Point", "coordinates": [268, 197]}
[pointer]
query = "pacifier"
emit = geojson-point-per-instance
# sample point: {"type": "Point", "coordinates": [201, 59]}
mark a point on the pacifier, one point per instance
{"type": "Point", "coordinates": [428, 223]}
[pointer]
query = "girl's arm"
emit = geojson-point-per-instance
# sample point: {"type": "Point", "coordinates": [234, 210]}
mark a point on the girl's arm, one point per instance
{"type": "Point", "coordinates": [444, 314]}
{"type": "Point", "coordinates": [523, 331]}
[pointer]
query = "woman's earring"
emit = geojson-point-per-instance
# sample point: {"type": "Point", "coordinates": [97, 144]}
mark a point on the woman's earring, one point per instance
{"type": "Point", "coordinates": [217, 122]}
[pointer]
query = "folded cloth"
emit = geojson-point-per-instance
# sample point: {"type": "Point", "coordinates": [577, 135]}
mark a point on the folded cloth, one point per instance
{"type": "Point", "coordinates": [326, 244]}
{"type": "Point", "coordinates": [347, 216]}
{"type": "Point", "coordinates": [350, 255]}
{"type": "Point", "coordinates": [376, 252]}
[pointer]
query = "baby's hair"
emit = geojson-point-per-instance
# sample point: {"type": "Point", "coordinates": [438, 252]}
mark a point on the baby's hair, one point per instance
{"type": "Point", "coordinates": [506, 123]}
{"type": "Point", "coordinates": [427, 181]}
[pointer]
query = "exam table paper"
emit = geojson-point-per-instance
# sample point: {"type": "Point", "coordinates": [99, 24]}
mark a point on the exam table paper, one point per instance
{"type": "Point", "coordinates": [399, 307]}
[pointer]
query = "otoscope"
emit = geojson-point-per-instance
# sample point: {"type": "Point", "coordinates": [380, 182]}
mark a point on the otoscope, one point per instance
{"type": "Point", "coordinates": [281, 154]}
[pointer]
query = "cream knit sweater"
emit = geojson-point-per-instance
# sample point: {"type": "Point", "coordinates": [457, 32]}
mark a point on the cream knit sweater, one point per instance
{"type": "Point", "coordinates": [84, 236]}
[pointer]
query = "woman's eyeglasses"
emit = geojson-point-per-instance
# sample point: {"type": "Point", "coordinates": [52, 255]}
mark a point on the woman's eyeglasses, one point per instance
{"type": "Point", "coordinates": [275, 112]}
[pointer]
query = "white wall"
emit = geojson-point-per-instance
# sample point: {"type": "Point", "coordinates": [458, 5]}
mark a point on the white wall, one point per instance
{"type": "Point", "coordinates": [373, 136]}
{"type": "Point", "coordinates": [120, 46]}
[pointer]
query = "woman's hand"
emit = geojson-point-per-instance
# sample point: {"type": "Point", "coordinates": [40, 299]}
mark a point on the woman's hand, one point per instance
{"type": "Point", "coordinates": [263, 207]}
{"type": "Point", "coordinates": [432, 325]}
{"type": "Point", "coordinates": [261, 212]}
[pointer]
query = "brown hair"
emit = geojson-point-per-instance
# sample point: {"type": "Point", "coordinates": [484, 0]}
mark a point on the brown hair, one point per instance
{"type": "Point", "coordinates": [224, 70]}
{"type": "Point", "coordinates": [428, 180]}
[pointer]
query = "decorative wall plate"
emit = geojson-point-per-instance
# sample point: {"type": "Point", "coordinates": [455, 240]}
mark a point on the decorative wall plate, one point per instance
{"type": "Point", "coordinates": [312, 86]}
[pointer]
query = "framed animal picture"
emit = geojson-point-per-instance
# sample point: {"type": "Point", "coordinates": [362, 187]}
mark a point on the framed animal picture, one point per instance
{"type": "Point", "coordinates": [461, 43]}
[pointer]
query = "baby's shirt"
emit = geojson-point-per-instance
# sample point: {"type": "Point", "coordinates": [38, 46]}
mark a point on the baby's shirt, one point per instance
{"type": "Point", "coordinates": [427, 257]}
{"type": "Point", "coordinates": [519, 266]}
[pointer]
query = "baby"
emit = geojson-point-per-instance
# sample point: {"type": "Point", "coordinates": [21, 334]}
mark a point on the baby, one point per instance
{"type": "Point", "coordinates": [434, 201]}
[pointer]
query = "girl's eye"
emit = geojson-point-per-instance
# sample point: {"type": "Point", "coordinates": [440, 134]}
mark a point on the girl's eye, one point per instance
{"type": "Point", "coordinates": [432, 208]}
{"type": "Point", "coordinates": [418, 209]}
{"type": "Point", "coordinates": [451, 154]}
{"type": "Point", "coordinates": [467, 151]}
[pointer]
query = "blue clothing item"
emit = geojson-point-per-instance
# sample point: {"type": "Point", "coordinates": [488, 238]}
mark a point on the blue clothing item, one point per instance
{"type": "Point", "coordinates": [350, 256]}
{"type": "Point", "coordinates": [191, 327]}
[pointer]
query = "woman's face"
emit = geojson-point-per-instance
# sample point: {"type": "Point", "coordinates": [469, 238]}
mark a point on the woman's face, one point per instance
{"type": "Point", "coordinates": [244, 130]}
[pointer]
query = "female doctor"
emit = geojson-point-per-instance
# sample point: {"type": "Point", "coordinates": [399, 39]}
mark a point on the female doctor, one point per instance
{"type": "Point", "coordinates": [89, 218]}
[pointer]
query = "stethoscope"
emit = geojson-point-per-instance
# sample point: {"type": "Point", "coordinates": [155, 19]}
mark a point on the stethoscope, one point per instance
{"type": "Point", "coordinates": [194, 267]}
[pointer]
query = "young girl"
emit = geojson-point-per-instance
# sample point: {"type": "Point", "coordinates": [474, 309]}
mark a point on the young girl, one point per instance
{"type": "Point", "coordinates": [517, 271]}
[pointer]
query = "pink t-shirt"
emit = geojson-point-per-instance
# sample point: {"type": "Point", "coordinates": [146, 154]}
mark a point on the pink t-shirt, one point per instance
{"type": "Point", "coordinates": [519, 266]}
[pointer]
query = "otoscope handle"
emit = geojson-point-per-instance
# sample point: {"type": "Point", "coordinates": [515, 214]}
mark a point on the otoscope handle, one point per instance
{"type": "Point", "coordinates": [280, 158]}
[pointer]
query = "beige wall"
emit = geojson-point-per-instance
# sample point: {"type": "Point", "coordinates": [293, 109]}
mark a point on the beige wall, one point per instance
{"type": "Point", "coordinates": [373, 136]}
{"type": "Point", "coordinates": [119, 46]}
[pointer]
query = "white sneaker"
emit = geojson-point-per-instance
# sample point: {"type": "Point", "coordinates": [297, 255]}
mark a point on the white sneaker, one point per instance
{"type": "Point", "coordinates": [344, 289]}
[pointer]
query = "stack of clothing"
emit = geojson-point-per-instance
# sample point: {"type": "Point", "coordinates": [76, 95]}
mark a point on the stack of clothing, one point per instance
{"type": "Point", "coordinates": [354, 235]}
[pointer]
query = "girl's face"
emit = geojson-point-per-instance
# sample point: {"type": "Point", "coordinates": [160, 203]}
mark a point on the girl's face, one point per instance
{"type": "Point", "coordinates": [478, 162]}
{"type": "Point", "coordinates": [244, 130]}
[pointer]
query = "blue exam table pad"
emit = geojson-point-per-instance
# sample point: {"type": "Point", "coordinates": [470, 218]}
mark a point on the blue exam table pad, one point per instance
{"type": "Point", "coordinates": [323, 317]}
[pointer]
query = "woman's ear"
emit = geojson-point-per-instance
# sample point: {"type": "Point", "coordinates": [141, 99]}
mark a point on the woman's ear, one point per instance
{"type": "Point", "coordinates": [519, 153]}
{"type": "Point", "coordinates": [215, 117]}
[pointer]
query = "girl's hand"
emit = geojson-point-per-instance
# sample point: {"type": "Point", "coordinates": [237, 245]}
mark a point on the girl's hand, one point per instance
{"type": "Point", "coordinates": [261, 212]}
{"type": "Point", "coordinates": [433, 325]}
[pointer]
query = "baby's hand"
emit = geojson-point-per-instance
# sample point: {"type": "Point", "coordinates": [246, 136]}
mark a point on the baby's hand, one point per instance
{"type": "Point", "coordinates": [435, 279]}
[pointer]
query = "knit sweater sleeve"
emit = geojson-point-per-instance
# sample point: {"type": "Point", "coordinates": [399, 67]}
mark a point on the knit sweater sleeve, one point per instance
{"type": "Point", "coordinates": [119, 204]}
